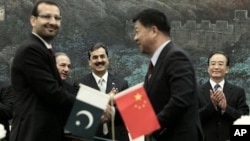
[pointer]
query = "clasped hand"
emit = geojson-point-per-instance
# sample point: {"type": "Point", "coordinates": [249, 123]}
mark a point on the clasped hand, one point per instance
{"type": "Point", "coordinates": [218, 99]}
{"type": "Point", "coordinates": [108, 112]}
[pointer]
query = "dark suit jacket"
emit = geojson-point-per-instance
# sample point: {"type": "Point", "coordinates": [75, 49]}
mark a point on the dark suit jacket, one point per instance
{"type": "Point", "coordinates": [216, 126]}
{"type": "Point", "coordinates": [173, 94]}
{"type": "Point", "coordinates": [121, 133]}
{"type": "Point", "coordinates": [6, 104]}
{"type": "Point", "coordinates": [70, 88]}
{"type": "Point", "coordinates": [40, 98]}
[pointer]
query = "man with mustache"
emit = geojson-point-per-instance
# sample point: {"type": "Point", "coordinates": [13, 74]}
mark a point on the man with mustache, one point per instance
{"type": "Point", "coordinates": [40, 99]}
{"type": "Point", "coordinates": [101, 79]}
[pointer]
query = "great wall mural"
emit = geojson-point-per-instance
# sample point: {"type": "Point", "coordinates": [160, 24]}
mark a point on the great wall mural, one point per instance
{"type": "Point", "coordinates": [206, 35]}
{"type": "Point", "coordinates": [198, 26]}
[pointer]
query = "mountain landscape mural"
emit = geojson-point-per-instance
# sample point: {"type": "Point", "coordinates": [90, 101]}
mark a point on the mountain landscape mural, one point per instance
{"type": "Point", "coordinates": [198, 26]}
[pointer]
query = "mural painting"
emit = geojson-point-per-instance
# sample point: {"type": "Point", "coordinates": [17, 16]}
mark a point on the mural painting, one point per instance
{"type": "Point", "coordinates": [198, 26]}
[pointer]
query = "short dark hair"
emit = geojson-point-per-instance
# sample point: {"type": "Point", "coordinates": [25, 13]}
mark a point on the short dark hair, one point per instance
{"type": "Point", "coordinates": [35, 8]}
{"type": "Point", "coordinates": [97, 46]}
{"type": "Point", "coordinates": [150, 17]}
{"type": "Point", "coordinates": [218, 52]}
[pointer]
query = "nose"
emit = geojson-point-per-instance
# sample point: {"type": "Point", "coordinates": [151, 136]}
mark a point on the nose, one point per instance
{"type": "Point", "coordinates": [99, 59]}
{"type": "Point", "coordinates": [66, 68]}
{"type": "Point", "coordinates": [135, 38]}
{"type": "Point", "coordinates": [216, 66]}
{"type": "Point", "coordinates": [53, 20]}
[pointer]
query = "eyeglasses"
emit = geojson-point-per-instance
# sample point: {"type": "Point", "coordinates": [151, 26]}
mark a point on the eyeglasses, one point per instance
{"type": "Point", "coordinates": [48, 17]}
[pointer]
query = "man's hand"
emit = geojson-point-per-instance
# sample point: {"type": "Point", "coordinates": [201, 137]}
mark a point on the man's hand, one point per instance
{"type": "Point", "coordinates": [223, 104]}
{"type": "Point", "coordinates": [218, 99]}
{"type": "Point", "coordinates": [106, 114]}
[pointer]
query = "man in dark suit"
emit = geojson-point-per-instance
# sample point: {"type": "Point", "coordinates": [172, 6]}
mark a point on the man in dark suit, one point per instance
{"type": "Point", "coordinates": [220, 103]}
{"type": "Point", "coordinates": [171, 83]}
{"type": "Point", "coordinates": [63, 65]}
{"type": "Point", "coordinates": [99, 62]}
{"type": "Point", "coordinates": [40, 99]}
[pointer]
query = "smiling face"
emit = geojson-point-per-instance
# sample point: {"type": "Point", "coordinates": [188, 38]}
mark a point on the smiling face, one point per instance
{"type": "Point", "coordinates": [144, 37]}
{"type": "Point", "coordinates": [217, 67]}
{"type": "Point", "coordinates": [98, 61]}
{"type": "Point", "coordinates": [47, 23]}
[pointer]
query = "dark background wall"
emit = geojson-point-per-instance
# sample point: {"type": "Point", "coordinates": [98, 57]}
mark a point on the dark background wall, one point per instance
{"type": "Point", "coordinates": [198, 26]}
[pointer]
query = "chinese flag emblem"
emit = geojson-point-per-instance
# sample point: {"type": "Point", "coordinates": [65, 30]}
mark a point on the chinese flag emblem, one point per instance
{"type": "Point", "coordinates": [136, 111]}
{"type": "Point", "coordinates": [140, 103]}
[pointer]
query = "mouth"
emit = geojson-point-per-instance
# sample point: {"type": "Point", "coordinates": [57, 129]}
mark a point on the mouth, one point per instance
{"type": "Point", "coordinates": [100, 64]}
{"type": "Point", "coordinates": [216, 72]}
{"type": "Point", "coordinates": [138, 43]}
{"type": "Point", "coordinates": [51, 28]}
{"type": "Point", "coordinates": [65, 75]}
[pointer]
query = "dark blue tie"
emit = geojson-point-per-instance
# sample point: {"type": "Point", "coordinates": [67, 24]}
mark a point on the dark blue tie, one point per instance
{"type": "Point", "coordinates": [216, 87]}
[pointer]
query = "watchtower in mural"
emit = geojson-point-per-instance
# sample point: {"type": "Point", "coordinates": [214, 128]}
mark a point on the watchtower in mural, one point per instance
{"type": "Point", "coordinates": [2, 13]}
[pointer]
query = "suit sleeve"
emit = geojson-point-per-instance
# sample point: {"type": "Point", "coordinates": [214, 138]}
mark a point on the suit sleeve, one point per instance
{"type": "Point", "coordinates": [235, 109]}
{"type": "Point", "coordinates": [206, 108]}
{"type": "Point", "coordinates": [41, 73]}
{"type": "Point", "coordinates": [6, 103]}
{"type": "Point", "coordinates": [118, 118]}
{"type": "Point", "coordinates": [179, 77]}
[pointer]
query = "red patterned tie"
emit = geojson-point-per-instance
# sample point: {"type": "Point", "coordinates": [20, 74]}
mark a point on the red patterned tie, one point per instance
{"type": "Point", "coordinates": [52, 52]}
{"type": "Point", "coordinates": [150, 69]}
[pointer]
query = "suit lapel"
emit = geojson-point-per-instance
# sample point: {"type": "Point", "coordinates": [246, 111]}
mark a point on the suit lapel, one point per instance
{"type": "Point", "coordinates": [111, 80]}
{"type": "Point", "coordinates": [206, 90]}
{"type": "Point", "coordinates": [52, 60]}
{"type": "Point", "coordinates": [92, 83]}
{"type": "Point", "coordinates": [158, 65]}
{"type": "Point", "coordinates": [227, 91]}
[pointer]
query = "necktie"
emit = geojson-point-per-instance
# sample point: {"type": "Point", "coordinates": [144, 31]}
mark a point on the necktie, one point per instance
{"type": "Point", "coordinates": [105, 129]}
{"type": "Point", "coordinates": [101, 84]}
{"type": "Point", "coordinates": [216, 87]}
{"type": "Point", "coordinates": [52, 52]}
{"type": "Point", "coordinates": [150, 69]}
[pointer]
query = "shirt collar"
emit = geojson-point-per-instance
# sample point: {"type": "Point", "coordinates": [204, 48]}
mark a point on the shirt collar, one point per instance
{"type": "Point", "coordinates": [157, 53]}
{"type": "Point", "coordinates": [97, 78]}
{"type": "Point", "coordinates": [48, 46]}
{"type": "Point", "coordinates": [221, 83]}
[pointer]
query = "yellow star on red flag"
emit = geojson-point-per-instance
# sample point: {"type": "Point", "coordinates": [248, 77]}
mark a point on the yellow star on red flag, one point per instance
{"type": "Point", "coordinates": [140, 103]}
{"type": "Point", "coordinates": [138, 96]}
{"type": "Point", "coordinates": [136, 110]}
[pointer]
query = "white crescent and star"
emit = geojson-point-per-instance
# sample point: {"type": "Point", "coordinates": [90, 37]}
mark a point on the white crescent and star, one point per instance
{"type": "Point", "coordinates": [89, 115]}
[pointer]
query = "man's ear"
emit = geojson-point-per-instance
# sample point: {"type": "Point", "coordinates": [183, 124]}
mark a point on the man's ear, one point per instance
{"type": "Point", "coordinates": [32, 20]}
{"type": "Point", "coordinates": [227, 71]}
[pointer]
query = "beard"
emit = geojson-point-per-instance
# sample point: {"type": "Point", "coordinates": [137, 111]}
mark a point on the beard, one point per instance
{"type": "Point", "coordinates": [48, 38]}
{"type": "Point", "coordinates": [48, 34]}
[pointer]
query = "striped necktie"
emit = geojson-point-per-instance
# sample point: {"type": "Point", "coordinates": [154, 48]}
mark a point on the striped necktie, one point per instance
{"type": "Point", "coordinates": [216, 87]}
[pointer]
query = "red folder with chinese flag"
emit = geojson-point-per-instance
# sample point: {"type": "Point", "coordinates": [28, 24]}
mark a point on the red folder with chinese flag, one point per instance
{"type": "Point", "coordinates": [136, 111]}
